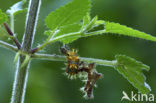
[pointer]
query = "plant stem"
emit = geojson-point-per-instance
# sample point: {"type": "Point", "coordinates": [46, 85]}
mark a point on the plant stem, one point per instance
{"type": "Point", "coordinates": [21, 75]}
{"type": "Point", "coordinates": [63, 58]}
{"type": "Point", "coordinates": [59, 57]}
{"type": "Point", "coordinates": [67, 35]}
{"type": "Point", "coordinates": [8, 46]}
{"type": "Point", "coordinates": [53, 40]}
{"type": "Point", "coordinates": [100, 61]}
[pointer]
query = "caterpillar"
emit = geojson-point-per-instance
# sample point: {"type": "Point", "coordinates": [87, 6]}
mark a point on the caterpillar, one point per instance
{"type": "Point", "coordinates": [76, 66]}
{"type": "Point", "coordinates": [73, 60]}
{"type": "Point", "coordinates": [93, 76]}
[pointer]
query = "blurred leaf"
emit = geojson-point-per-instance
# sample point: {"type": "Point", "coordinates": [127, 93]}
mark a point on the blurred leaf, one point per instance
{"type": "Point", "coordinates": [116, 28]}
{"type": "Point", "coordinates": [3, 17]}
{"type": "Point", "coordinates": [17, 8]}
{"type": "Point", "coordinates": [131, 69]}
{"type": "Point", "coordinates": [69, 14]}
{"type": "Point", "coordinates": [48, 32]}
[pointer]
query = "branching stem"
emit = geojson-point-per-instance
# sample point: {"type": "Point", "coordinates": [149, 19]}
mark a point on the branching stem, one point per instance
{"type": "Point", "coordinates": [21, 75]}
{"type": "Point", "coordinates": [64, 36]}
{"type": "Point", "coordinates": [8, 46]}
{"type": "Point", "coordinates": [63, 58]}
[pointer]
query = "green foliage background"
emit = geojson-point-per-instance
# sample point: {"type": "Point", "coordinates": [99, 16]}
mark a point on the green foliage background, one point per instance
{"type": "Point", "coordinates": [46, 83]}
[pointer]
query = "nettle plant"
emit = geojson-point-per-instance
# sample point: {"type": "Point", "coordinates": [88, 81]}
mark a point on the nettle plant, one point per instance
{"type": "Point", "coordinates": [66, 24]}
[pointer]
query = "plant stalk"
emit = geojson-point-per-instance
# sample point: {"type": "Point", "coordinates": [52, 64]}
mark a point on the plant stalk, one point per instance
{"type": "Point", "coordinates": [21, 75]}
{"type": "Point", "coordinates": [8, 46]}
{"type": "Point", "coordinates": [63, 58]}
{"type": "Point", "coordinates": [64, 36]}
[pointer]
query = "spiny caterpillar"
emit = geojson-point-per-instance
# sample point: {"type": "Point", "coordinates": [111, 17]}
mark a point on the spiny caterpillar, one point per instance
{"type": "Point", "coordinates": [72, 59]}
{"type": "Point", "coordinates": [77, 68]}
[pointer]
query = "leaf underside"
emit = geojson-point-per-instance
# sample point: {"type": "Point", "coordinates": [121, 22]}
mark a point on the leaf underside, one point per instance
{"type": "Point", "coordinates": [132, 71]}
{"type": "Point", "coordinates": [17, 8]}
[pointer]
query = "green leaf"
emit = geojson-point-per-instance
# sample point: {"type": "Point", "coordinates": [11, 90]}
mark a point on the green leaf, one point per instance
{"type": "Point", "coordinates": [71, 32]}
{"type": "Point", "coordinates": [116, 28]}
{"type": "Point", "coordinates": [131, 69]}
{"type": "Point", "coordinates": [48, 32]}
{"type": "Point", "coordinates": [90, 25]}
{"type": "Point", "coordinates": [99, 22]}
{"type": "Point", "coordinates": [64, 30]}
{"type": "Point", "coordinates": [17, 8]}
{"type": "Point", "coordinates": [26, 61]}
{"type": "Point", "coordinates": [86, 19]}
{"type": "Point", "coordinates": [3, 17]}
{"type": "Point", "coordinates": [69, 29]}
{"type": "Point", "coordinates": [69, 14]}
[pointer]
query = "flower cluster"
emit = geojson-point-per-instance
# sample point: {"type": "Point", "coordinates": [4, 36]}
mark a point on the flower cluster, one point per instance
{"type": "Point", "coordinates": [77, 68]}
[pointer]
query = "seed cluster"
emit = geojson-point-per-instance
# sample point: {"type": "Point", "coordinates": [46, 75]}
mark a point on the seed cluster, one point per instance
{"type": "Point", "coordinates": [77, 68]}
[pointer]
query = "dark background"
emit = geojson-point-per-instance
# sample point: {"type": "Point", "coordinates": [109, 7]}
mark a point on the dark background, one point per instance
{"type": "Point", "coordinates": [46, 84]}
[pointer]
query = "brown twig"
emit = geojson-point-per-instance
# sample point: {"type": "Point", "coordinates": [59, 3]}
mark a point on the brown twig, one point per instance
{"type": "Point", "coordinates": [34, 50]}
{"type": "Point", "coordinates": [12, 35]}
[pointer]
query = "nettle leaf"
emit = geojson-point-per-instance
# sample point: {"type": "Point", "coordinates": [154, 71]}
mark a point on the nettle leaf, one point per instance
{"type": "Point", "coordinates": [66, 30]}
{"type": "Point", "coordinates": [17, 8]}
{"type": "Point", "coordinates": [77, 30]}
{"type": "Point", "coordinates": [99, 22]}
{"type": "Point", "coordinates": [69, 29]}
{"type": "Point", "coordinates": [3, 17]}
{"type": "Point", "coordinates": [131, 69]}
{"type": "Point", "coordinates": [69, 14]}
{"type": "Point", "coordinates": [91, 24]}
{"type": "Point", "coordinates": [116, 28]}
{"type": "Point", "coordinates": [86, 19]}
{"type": "Point", "coordinates": [48, 32]}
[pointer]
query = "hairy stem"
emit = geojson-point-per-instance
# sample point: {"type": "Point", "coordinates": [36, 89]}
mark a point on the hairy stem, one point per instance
{"type": "Point", "coordinates": [63, 58]}
{"type": "Point", "coordinates": [67, 35]}
{"type": "Point", "coordinates": [8, 46]}
{"type": "Point", "coordinates": [21, 75]}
